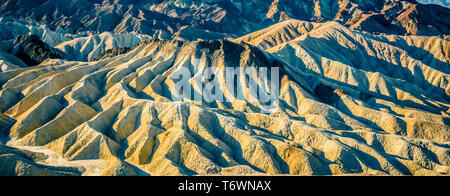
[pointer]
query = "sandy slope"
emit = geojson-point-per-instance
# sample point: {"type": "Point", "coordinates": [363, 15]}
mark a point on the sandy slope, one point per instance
{"type": "Point", "coordinates": [90, 47]}
{"type": "Point", "coordinates": [350, 104]}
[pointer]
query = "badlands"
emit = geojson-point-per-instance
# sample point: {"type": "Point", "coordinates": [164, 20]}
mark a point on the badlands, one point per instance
{"type": "Point", "coordinates": [350, 103]}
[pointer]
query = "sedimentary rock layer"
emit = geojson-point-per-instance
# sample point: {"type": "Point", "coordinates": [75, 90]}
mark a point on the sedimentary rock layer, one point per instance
{"type": "Point", "coordinates": [350, 103]}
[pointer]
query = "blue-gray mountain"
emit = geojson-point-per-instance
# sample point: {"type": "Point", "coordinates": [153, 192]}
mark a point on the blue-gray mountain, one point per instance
{"type": "Point", "coordinates": [212, 19]}
{"type": "Point", "coordinates": [444, 3]}
{"type": "Point", "coordinates": [86, 87]}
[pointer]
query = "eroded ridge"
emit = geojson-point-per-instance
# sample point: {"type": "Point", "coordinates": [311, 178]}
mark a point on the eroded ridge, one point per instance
{"type": "Point", "coordinates": [354, 121]}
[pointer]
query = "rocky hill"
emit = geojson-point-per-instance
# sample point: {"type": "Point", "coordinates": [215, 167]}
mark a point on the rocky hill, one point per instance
{"type": "Point", "coordinates": [90, 47]}
{"type": "Point", "coordinates": [129, 87]}
{"type": "Point", "coordinates": [32, 51]}
{"type": "Point", "coordinates": [213, 18]}
{"type": "Point", "coordinates": [350, 103]}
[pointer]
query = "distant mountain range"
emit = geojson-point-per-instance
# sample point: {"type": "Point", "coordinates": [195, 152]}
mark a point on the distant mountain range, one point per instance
{"type": "Point", "coordinates": [357, 87]}
{"type": "Point", "coordinates": [213, 19]}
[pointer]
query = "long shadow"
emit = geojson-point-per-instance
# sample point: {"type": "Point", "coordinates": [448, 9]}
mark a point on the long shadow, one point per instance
{"type": "Point", "coordinates": [363, 61]}
{"type": "Point", "coordinates": [416, 53]}
{"type": "Point", "coordinates": [229, 140]}
{"type": "Point", "coordinates": [5, 132]}
{"type": "Point", "coordinates": [371, 161]}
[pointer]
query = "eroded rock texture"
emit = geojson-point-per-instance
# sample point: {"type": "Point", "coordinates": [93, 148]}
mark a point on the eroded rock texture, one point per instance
{"type": "Point", "coordinates": [32, 51]}
{"type": "Point", "coordinates": [350, 103]}
{"type": "Point", "coordinates": [215, 19]}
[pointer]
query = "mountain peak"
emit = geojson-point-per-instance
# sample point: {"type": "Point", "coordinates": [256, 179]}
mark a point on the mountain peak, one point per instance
{"type": "Point", "coordinates": [224, 87]}
{"type": "Point", "coordinates": [230, 17]}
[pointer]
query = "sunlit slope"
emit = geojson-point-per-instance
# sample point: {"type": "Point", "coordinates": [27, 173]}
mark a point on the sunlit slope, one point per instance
{"type": "Point", "coordinates": [91, 47]}
{"type": "Point", "coordinates": [277, 34]}
{"type": "Point", "coordinates": [336, 115]}
{"type": "Point", "coordinates": [396, 67]}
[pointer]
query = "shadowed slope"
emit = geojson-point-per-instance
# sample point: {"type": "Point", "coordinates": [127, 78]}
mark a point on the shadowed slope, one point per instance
{"type": "Point", "coordinates": [214, 19]}
{"type": "Point", "coordinates": [336, 116]}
